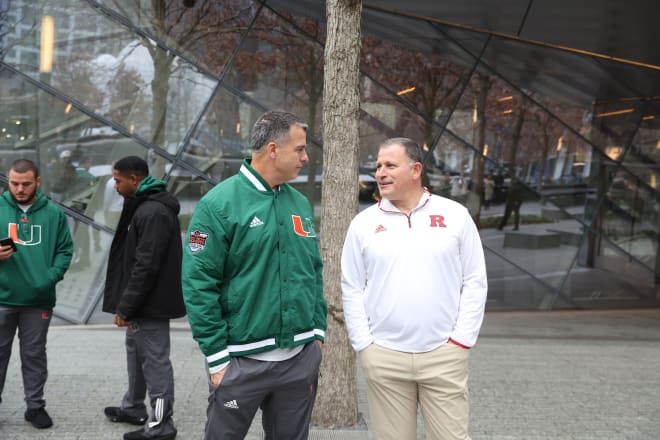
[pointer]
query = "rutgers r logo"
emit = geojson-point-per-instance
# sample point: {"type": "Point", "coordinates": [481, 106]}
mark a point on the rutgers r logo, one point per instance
{"type": "Point", "coordinates": [306, 230]}
{"type": "Point", "coordinates": [35, 235]}
{"type": "Point", "coordinates": [437, 221]}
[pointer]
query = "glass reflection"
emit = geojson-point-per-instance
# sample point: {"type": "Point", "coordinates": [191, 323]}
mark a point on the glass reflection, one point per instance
{"type": "Point", "coordinates": [612, 278]}
{"type": "Point", "coordinates": [383, 116]}
{"type": "Point", "coordinates": [629, 217]}
{"type": "Point", "coordinates": [188, 188]}
{"type": "Point", "coordinates": [207, 32]}
{"type": "Point", "coordinates": [586, 172]}
{"type": "Point", "coordinates": [145, 89]}
{"type": "Point", "coordinates": [221, 141]}
{"type": "Point", "coordinates": [78, 292]}
{"type": "Point", "coordinates": [290, 76]}
{"type": "Point", "coordinates": [510, 287]}
{"type": "Point", "coordinates": [428, 81]}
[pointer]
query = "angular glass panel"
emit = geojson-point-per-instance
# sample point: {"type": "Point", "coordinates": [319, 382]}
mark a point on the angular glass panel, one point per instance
{"type": "Point", "coordinates": [186, 185]}
{"type": "Point", "coordinates": [451, 176]}
{"type": "Point", "coordinates": [542, 247]}
{"type": "Point", "coordinates": [564, 75]}
{"type": "Point", "coordinates": [628, 218]}
{"type": "Point", "coordinates": [428, 81]}
{"type": "Point", "coordinates": [383, 116]}
{"type": "Point", "coordinates": [206, 33]}
{"type": "Point", "coordinates": [222, 139]}
{"type": "Point", "coordinates": [470, 43]}
{"type": "Point", "coordinates": [510, 287]}
{"type": "Point", "coordinates": [290, 73]}
{"type": "Point", "coordinates": [642, 166]}
{"type": "Point", "coordinates": [290, 77]}
{"type": "Point", "coordinates": [74, 153]}
{"type": "Point", "coordinates": [609, 277]}
{"type": "Point", "coordinates": [19, 120]}
{"type": "Point", "coordinates": [141, 87]}
{"type": "Point", "coordinates": [613, 124]}
{"type": "Point", "coordinates": [81, 167]}
{"type": "Point", "coordinates": [82, 286]}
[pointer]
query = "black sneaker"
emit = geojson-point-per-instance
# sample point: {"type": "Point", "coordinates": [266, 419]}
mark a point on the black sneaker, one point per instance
{"type": "Point", "coordinates": [116, 414]}
{"type": "Point", "coordinates": [141, 434]}
{"type": "Point", "coordinates": [39, 418]}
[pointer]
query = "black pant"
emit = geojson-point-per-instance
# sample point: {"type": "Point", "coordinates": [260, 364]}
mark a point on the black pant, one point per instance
{"type": "Point", "coordinates": [285, 391]}
{"type": "Point", "coordinates": [511, 206]}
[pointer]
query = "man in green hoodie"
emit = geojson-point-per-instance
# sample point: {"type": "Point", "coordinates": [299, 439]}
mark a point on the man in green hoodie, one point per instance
{"type": "Point", "coordinates": [143, 291]}
{"type": "Point", "coordinates": [29, 269]}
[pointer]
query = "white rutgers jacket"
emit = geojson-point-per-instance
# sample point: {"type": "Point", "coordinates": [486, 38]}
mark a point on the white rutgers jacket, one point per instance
{"type": "Point", "coordinates": [412, 283]}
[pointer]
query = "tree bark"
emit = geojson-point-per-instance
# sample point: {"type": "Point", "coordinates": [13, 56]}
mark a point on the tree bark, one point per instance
{"type": "Point", "coordinates": [336, 403]}
{"type": "Point", "coordinates": [477, 177]}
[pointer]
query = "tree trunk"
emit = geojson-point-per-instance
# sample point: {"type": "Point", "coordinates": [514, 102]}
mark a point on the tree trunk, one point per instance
{"type": "Point", "coordinates": [159, 89]}
{"type": "Point", "coordinates": [515, 138]}
{"type": "Point", "coordinates": [477, 177]}
{"type": "Point", "coordinates": [544, 160]}
{"type": "Point", "coordinates": [312, 150]}
{"type": "Point", "coordinates": [336, 403]}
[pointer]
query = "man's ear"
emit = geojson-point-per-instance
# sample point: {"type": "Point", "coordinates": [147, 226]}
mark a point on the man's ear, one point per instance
{"type": "Point", "coordinates": [417, 170]}
{"type": "Point", "coordinates": [135, 180]}
{"type": "Point", "coordinates": [271, 149]}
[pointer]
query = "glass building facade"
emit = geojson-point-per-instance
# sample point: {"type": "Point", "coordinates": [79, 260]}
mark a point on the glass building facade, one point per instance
{"type": "Point", "coordinates": [567, 139]}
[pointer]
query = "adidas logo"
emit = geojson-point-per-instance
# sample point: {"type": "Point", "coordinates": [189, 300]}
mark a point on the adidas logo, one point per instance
{"type": "Point", "coordinates": [256, 222]}
{"type": "Point", "coordinates": [380, 228]}
{"type": "Point", "coordinates": [232, 403]}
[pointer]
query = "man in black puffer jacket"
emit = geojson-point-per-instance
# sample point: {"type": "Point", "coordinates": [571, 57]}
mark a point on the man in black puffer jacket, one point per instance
{"type": "Point", "coordinates": [143, 291]}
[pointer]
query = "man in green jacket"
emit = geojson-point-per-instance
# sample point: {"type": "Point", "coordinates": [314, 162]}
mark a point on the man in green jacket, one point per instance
{"type": "Point", "coordinates": [252, 284]}
{"type": "Point", "coordinates": [41, 253]}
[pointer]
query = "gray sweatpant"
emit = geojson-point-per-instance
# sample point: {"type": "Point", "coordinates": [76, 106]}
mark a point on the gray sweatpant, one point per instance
{"type": "Point", "coordinates": [32, 325]}
{"type": "Point", "coordinates": [149, 369]}
{"type": "Point", "coordinates": [285, 391]}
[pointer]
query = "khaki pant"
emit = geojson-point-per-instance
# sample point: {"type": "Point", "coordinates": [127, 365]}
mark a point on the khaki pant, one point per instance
{"type": "Point", "coordinates": [397, 382]}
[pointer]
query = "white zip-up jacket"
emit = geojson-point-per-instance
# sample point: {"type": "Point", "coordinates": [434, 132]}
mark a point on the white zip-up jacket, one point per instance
{"type": "Point", "coordinates": [411, 283]}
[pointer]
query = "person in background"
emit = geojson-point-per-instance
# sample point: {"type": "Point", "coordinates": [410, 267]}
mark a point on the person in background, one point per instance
{"type": "Point", "coordinates": [113, 203]}
{"type": "Point", "coordinates": [28, 275]}
{"type": "Point", "coordinates": [514, 200]}
{"type": "Point", "coordinates": [414, 292]}
{"type": "Point", "coordinates": [252, 283]}
{"type": "Point", "coordinates": [143, 291]}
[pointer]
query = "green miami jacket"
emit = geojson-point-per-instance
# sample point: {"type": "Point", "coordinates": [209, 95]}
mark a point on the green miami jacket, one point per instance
{"type": "Point", "coordinates": [252, 271]}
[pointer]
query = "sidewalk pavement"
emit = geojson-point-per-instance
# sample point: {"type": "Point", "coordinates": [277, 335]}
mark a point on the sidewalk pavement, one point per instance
{"type": "Point", "coordinates": [579, 375]}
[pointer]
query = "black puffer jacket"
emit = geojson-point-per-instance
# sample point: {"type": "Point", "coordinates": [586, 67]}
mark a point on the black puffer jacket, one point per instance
{"type": "Point", "coordinates": [144, 267]}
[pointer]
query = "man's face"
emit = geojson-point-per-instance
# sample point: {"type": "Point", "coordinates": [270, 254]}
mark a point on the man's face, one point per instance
{"type": "Point", "coordinates": [125, 184]}
{"type": "Point", "coordinates": [291, 154]}
{"type": "Point", "coordinates": [23, 186]}
{"type": "Point", "coordinates": [397, 177]}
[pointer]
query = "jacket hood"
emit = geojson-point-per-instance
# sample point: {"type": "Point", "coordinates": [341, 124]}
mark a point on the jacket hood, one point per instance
{"type": "Point", "coordinates": [150, 185]}
{"type": "Point", "coordinates": [39, 203]}
{"type": "Point", "coordinates": [167, 199]}
{"type": "Point", "coordinates": [156, 190]}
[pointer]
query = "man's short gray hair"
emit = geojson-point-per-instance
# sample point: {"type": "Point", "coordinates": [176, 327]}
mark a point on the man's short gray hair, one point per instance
{"type": "Point", "coordinates": [412, 148]}
{"type": "Point", "coordinates": [273, 126]}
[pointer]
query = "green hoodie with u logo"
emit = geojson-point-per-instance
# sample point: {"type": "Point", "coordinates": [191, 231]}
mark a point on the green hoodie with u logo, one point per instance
{"type": "Point", "coordinates": [44, 251]}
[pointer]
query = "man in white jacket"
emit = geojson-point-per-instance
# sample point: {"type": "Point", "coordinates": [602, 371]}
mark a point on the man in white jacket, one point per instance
{"type": "Point", "coordinates": [414, 291]}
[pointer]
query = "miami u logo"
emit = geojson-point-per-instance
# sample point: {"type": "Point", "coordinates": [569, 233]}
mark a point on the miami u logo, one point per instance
{"type": "Point", "coordinates": [35, 235]}
{"type": "Point", "coordinates": [299, 229]}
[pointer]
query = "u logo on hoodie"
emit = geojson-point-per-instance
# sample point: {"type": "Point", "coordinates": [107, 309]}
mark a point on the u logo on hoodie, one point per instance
{"type": "Point", "coordinates": [35, 235]}
{"type": "Point", "coordinates": [299, 229]}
